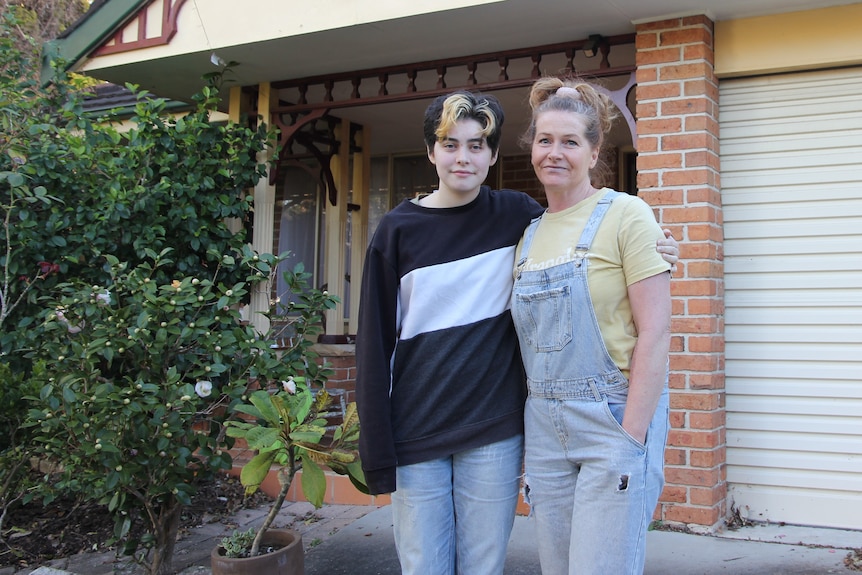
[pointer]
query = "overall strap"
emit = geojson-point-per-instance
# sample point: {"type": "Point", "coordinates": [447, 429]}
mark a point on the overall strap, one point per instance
{"type": "Point", "coordinates": [596, 217]}
{"type": "Point", "coordinates": [528, 240]}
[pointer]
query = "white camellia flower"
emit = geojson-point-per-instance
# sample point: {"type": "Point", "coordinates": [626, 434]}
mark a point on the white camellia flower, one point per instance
{"type": "Point", "coordinates": [289, 386]}
{"type": "Point", "coordinates": [62, 319]}
{"type": "Point", "coordinates": [104, 297]}
{"type": "Point", "coordinates": [204, 388]}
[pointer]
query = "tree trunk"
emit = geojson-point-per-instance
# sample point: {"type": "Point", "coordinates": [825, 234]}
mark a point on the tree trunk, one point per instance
{"type": "Point", "coordinates": [285, 479]}
{"type": "Point", "coordinates": [166, 538]}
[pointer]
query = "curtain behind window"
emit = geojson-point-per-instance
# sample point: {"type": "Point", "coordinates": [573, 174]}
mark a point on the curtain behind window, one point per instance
{"type": "Point", "coordinates": [300, 226]}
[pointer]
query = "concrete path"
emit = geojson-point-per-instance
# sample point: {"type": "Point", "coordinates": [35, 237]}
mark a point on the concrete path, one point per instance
{"type": "Point", "coordinates": [357, 540]}
{"type": "Point", "coordinates": [366, 547]}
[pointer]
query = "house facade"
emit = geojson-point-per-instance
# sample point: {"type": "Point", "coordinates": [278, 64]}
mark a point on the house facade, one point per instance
{"type": "Point", "coordinates": [740, 126]}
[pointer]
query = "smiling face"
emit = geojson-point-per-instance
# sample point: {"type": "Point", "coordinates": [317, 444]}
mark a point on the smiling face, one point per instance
{"type": "Point", "coordinates": [462, 158]}
{"type": "Point", "coordinates": [561, 154]}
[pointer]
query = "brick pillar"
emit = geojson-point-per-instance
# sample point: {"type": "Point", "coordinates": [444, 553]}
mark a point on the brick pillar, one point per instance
{"type": "Point", "coordinates": [678, 174]}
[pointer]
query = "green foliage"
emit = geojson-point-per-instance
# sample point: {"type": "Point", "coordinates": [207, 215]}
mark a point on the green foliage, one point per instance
{"type": "Point", "coordinates": [15, 387]}
{"type": "Point", "coordinates": [21, 201]}
{"type": "Point", "coordinates": [140, 375]}
{"type": "Point", "coordinates": [15, 442]}
{"type": "Point", "coordinates": [75, 189]}
{"type": "Point", "coordinates": [119, 295]}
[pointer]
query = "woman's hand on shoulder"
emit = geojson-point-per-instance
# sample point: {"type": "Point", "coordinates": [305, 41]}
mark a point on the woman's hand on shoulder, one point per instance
{"type": "Point", "coordinates": [669, 249]}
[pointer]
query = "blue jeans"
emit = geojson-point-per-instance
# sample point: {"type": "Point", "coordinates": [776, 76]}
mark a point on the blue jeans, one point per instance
{"type": "Point", "coordinates": [591, 486]}
{"type": "Point", "coordinates": [455, 514]}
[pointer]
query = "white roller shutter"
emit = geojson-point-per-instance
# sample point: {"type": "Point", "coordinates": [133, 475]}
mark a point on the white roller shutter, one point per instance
{"type": "Point", "coordinates": [791, 175]}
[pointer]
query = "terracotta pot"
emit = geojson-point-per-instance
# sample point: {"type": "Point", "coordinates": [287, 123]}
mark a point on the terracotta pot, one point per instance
{"type": "Point", "coordinates": [289, 560]}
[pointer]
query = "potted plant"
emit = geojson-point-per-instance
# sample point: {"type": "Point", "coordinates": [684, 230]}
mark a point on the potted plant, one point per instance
{"type": "Point", "coordinates": [290, 433]}
{"type": "Point", "coordinates": [286, 422]}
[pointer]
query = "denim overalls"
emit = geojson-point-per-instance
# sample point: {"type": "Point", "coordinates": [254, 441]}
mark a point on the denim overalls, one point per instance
{"type": "Point", "coordinates": [592, 487]}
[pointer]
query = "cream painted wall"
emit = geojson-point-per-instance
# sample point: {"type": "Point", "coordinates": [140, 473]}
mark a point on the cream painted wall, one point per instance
{"type": "Point", "coordinates": [808, 40]}
{"type": "Point", "coordinates": [208, 25]}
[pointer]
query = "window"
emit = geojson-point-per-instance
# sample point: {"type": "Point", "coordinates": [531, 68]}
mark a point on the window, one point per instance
{"type": "Point", "coordinates": [300, 225]}
{"type": "Point", "coordinates": [410, 176]}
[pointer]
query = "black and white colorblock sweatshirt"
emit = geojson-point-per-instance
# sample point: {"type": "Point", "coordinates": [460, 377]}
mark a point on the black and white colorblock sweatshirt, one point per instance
{"type": "Point", "coordinates": [438, 366]}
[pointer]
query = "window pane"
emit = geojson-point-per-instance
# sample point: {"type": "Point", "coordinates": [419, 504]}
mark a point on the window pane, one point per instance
{"type": "Point", "coordinates": [412, 176]}
{"type": "Point", "coordinates": [378, 195]}
{"type": "Point", "coordinates": [299, 225]}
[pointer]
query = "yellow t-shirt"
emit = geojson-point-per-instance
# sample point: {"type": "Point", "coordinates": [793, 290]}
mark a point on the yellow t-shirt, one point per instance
{"type": "Point", "coordinates": [622, 253]}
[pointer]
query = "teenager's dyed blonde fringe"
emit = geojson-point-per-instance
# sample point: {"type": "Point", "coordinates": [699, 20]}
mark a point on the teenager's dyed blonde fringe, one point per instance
{"type": "Point", "coordinates": [459, 106]}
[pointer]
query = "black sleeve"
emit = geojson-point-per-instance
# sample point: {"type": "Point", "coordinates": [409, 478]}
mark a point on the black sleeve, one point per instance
{"type": "Point", "coordinates": [534, 208]}
{"type": "Point", "coordinates": [375, 344]}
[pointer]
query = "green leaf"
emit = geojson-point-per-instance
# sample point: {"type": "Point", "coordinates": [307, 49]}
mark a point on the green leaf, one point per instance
{"type": "Point", "coordinates": [183, 497]}
{"type": "Point", "coordinates": [121, 527]}
{"type": "Point", "coordinates": [262, 400]}
{"type": "Point", "coordinates": [306, 436]}
{"type": "Point", "coordinates": [300, 409]}
{"type": "Point", "coordinates": [115, 500]}
{"type": "Point", "coordinates": [254, 472]}
{"type": "Point", "coordinates": [357, 476]}
{"type": "Point", "coordinates": [262, 438]}
{"type": "Point", "coordinates": [15, 180]}
{"type": "Point", "coordinates": [313, 481]}
{"type": "Point", "coordinates": [248, 409]}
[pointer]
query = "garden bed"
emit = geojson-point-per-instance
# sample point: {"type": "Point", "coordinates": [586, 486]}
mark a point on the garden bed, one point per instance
{"type": "Point", "coordinates": [34, 534]}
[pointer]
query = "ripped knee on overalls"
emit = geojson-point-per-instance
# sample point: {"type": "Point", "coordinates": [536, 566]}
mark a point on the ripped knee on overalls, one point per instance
{"type": "Point", "coordinates": [624, 482]}
{"type": "Point", "coordinates": [526, 495]}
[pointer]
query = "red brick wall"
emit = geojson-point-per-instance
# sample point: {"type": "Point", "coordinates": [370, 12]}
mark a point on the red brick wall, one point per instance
{"type": "Point", "coordinates": [518, 174]}
{"type": "Point", "coordinates": [678, 174]}
{"type": "Point", "coordinates": [342, 360]}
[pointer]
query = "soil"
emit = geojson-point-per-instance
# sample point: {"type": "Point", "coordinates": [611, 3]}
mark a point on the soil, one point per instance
{"type": "Point", "coordinates": [33, 534]}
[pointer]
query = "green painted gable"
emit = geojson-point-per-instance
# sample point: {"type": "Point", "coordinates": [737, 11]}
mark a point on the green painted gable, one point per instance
{"type": "Point", "coordinates": [102, 20]}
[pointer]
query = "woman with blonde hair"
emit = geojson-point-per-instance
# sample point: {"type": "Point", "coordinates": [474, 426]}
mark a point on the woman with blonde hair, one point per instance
{"type": "Point", "coordinates": [591, 305]}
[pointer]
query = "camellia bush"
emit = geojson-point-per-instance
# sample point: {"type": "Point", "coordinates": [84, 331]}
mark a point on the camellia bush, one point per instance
{"type": "Point", "coordinates": [124, 264]}
{"type": "Point", "coordinates": [142, 375]}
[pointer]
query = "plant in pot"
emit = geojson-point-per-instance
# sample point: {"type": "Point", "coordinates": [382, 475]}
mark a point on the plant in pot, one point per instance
{"type": "Point", "coordinates": [287, 423]}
